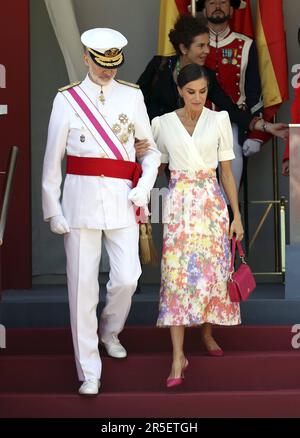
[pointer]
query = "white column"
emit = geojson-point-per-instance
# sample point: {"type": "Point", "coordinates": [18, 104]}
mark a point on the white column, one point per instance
{"type": "Point", "coordinates": [63, 19]}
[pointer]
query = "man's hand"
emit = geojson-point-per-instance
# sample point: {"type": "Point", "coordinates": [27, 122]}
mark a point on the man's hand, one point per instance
{"type": "Point", "coordinates": [139, 196]}
{"type": "Point", "coordinates": [141, 147]}
{"type": "Point", "coordinates": [286, 168]}
{"type": "Point", "coordinates": [251, 147]}
{"type": "Point", "coordinates": [59, 225]}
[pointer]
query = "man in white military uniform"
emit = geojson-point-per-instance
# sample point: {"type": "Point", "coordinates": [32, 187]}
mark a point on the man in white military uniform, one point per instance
{"type": "Point", "coordinates": [95, 123]}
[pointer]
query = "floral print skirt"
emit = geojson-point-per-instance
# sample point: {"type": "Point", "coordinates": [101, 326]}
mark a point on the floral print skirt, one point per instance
{"type": "Point", "coordinates": [196, 253]}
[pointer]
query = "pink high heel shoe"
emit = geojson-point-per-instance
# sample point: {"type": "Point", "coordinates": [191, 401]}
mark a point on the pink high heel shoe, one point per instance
{"type": "Point", "coordinates": [171, 382]}
{"type": "Point", "coordinates": [216, 353]}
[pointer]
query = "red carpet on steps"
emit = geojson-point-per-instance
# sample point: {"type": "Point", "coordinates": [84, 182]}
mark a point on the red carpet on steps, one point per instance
{"type": "Point", "coordinates": [259, 376]}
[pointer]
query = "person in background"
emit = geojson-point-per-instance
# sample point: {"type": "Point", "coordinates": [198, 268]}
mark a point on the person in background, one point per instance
{"type": "Point", "coordinates": [190, 38]}
{"type": "Point", "coordinates": [233, 57]}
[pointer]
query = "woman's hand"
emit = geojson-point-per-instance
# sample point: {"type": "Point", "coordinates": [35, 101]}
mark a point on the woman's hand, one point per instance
{"type": "Point", "coordinates": [141, 147]}
{"type": "Point", "coordinates": [236, 228]}
{"type": "Point", "coordinates": [280, 130]}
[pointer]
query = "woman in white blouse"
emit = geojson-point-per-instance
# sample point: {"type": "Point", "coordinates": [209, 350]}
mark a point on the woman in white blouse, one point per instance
{"type": "Point", "coordinates": [196, 247]}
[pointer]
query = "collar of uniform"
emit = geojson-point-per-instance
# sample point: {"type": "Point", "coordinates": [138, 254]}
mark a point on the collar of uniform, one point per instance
{"type": "Point", "coordinates": [95, 89]}
{"type": "Point", "coordinates": [218, 37]}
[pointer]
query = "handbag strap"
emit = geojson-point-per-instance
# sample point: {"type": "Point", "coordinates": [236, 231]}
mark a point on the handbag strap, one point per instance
{"type": "Point", "coordinates": [235, 243]}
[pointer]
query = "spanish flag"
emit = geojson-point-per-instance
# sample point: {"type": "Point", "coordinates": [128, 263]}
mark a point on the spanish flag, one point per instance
{"type": "Point", "coordinates": [271, 46]}
{"type": "Point", "coordinates": [241, 21]}
{"type": "Point", "coordinates": [169, 11]}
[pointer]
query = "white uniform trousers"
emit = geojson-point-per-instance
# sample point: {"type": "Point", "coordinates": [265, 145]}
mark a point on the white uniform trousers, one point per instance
{"type": "Point", "coordinates": [237, 163]}
{"type": "Point", "coordinates": [83, 250]}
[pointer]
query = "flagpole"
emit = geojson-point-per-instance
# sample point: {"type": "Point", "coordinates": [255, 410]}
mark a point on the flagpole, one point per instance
{"type": "Point", "coordinates": [276, 199]}
{"type": "Point", "coordinates": [193, 8]}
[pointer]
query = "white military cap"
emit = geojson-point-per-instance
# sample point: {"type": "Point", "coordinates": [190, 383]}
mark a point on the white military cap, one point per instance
{"type": "Point", "coordinates": [105, 46]}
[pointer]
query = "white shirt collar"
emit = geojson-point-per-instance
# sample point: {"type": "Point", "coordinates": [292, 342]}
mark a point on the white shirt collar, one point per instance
{"type": "Point", "coordinates": [217, 37]}
{"type": "Point", "coordinates": [95, 89]}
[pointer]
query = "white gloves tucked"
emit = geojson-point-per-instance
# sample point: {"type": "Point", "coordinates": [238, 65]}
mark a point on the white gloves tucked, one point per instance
{"type": "Point", "coordinates": [59, 225]}
{"type": "Point", "coordinates": [251, 147]}
{"type": "Point", "coordinates": [139, 196]}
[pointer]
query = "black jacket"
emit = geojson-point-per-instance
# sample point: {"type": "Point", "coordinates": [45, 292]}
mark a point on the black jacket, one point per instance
{"type": "Point", "coordinates": [161, 95]}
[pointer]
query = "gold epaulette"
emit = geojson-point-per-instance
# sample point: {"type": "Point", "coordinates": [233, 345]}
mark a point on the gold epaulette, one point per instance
{"type": "Point", "coordinates": [69, 86]}
{"type": "Point", "coordinates": [130, 84]}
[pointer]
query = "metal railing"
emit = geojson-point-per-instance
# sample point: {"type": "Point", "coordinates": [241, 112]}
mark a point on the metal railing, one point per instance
{"type": "Point", "coordinates": [278, 206]}
{"type": "Point", "coordinates": [8, 188]}
{"type": "Point", "coordinates": [280, 245]}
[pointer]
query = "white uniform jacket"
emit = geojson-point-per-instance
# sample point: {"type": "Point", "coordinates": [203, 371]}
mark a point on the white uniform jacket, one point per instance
{"type": "Point", "coordinates": [93, 201]}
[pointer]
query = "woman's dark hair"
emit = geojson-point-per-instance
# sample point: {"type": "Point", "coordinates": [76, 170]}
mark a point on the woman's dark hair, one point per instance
{"type": "Point", "coordinates": [191, 72]}
{"type": "Point", "coordinates": [185, 30]}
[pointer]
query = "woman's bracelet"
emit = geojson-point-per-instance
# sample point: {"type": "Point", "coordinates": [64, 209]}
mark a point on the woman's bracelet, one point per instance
{"type": "Point", "coordinates": [264, 126]}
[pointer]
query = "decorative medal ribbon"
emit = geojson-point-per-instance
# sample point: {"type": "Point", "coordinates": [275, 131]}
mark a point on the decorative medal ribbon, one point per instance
{"type": "Point", "coordinates": [95, 123]}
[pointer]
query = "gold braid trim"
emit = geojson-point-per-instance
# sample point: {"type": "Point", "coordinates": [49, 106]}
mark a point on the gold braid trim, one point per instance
{"type": "Point", "coordinates": [127, 83]}
{"type": "Point", "coordinates": [100, 57]}
{"type": "Point", "coordinates": [69, 86]}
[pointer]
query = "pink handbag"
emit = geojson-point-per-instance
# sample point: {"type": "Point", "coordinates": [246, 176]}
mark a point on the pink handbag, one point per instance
{"type": "Point", "coordinates": [241, 282]}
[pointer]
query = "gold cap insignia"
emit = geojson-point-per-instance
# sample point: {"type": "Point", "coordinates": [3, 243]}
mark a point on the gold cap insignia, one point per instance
{"type": "Point", "coordinates": [111, 58]}
{"type": "Point", "coordinates": [111, 53]}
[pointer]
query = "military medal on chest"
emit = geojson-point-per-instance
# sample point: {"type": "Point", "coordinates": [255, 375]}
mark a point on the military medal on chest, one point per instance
{"type": "Point", "coordinates": [123, 128]}
{"type": "Point", "coordinates": [101, 97]}
{"type": "Point", "coordinates": [229, 56]}
{"type": "Point", "coordinates": [234, 57]}
{"type": "Point", "coordinates": [226, 56]}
